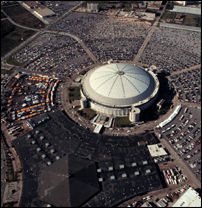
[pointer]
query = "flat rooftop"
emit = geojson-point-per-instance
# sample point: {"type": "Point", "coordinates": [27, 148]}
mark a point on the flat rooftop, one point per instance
{"type": "Point", "coordinates": [190, 198]}
{"type": "Point", "coordinates": [155, 150]}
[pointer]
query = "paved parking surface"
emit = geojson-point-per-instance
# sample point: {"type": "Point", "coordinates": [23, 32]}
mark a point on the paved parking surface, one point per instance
{"type": "Point", "coordinates": [184, 135]}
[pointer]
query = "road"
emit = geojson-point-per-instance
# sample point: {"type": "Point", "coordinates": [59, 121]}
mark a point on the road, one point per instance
{"type": "Point", "coordinates": [147, 39]}
{"type": "Point", "coordinates": [13, 22]}
{"type": "Point", "coordinates": [3, 172]}
{"type": "Point", "coordinates": [78, 40]}
{"type": "Point", "coordinates": [39, 31]}
{"type": "Point", "coordinates": [185, 70]}
{"type": "Point", "coordinates": [15, 162]}
{"type": "Point", "coordinates": [20, 46]}
{"type": "Point", "coordinates": [64, 15]}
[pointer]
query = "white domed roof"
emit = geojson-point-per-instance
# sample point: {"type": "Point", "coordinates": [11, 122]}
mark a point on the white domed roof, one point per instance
{"type": "Point", "coordinates": [118, 84]}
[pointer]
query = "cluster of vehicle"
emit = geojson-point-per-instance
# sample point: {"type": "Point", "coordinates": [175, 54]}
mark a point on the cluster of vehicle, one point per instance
{"type": "Point", "coordinates": [30, 96]}
{"type": "Point", "coordinates": [174, 176]}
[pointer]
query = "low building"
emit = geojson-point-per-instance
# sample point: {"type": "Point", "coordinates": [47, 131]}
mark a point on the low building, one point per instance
{"type": "Point", "coordinates": [30, 4]}
{"type": "Point", "coordinates": [43, 12]}
{"type": "Point", "coordinates": [98, 128]}
{"type": "Point", "coordinates": [92, 7]}
{"type": "Point", "coordinates": [156, 150]}
{"type": "Point", "coordinates": [148, 16]}
{"type": "Point", "coordinates": [146, 204]}
{"type": "Point", "coordinates": [190, 198]}
{"type": "Point", "coordinates": [183, 3]}
{"type": "Point", "coordinates": [134, 114]}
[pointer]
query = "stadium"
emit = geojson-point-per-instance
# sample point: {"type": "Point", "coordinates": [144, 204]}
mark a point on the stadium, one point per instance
{"type": "Point", "coordinates": [119, 89]}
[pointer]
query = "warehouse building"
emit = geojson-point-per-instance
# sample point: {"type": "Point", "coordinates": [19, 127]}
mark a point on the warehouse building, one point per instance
{"type": "Point", "coordinates": [190, 198]}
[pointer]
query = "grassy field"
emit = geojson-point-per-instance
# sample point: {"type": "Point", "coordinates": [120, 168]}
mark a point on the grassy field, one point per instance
{"type": "Point", "coordinates": [74, 93]}
{"type": "Point", "coordinates": [13, 38]}
{"type": "Point", "coordinates": [23, 17]}
{"type": "Point", "coordinates": [168, 15]}
{"type": "Point", "coordinates": [5, 71]}
{"type": "Point", "coordinates": [87, 113]}
{"type": "Point", "coordinates": [121, 121]}
{"type": "Point", "coordinates": [10, 60]}
{"type": "Point", "coordinates": [189, 19]}
{"type": "Point", "coordinates": [82, 72]}
{"type": "Point", "coordinates": [192, 20]}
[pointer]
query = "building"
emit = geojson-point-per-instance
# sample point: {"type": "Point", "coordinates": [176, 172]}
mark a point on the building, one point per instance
{"type": "Point", "coordinates": [42, 12]}
{"type": "Point", "coordinates": [38, 9]}
{"type": "Point", "coordinates": [190, 198]}
{"type": "Point", "coordinates": [30, 4]}
{"type": "Point", "coordinates": [154, 5]}
{"type": "Point", "coordinates": [156, 150]}
{"type": "Point", "coordinates": [146, 204]}
{"type": "Point", "coordinates": [119, 89]}
{"type": "Point", "coordinates": [92, 7]}
{"type": "Point", "coordinates": [183, 3]}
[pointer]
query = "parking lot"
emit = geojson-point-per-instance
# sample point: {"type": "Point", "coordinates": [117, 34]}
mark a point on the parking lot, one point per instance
{"type": "Point", "coordinates": [59, 7]}
{"type": "Point", "coordinates": [172, 50]}
{"type": "Point", "coordinates": [121, 160]}
{"type": "Point", "coordinates": [106, 37]}
{"type": "Point", "coordinates": [28, 96]}
{"type": "Point", "coordinates": [124, 166]}
{"type": "Point", "coordinates": [184, 135]}
{"type": "Point", "coordinates": [188, 85]}
{"type": "Point", "coordinates": [54, 54]}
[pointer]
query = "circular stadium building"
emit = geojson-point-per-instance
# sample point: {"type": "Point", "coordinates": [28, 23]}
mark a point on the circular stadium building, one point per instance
{"type": "Point", "coordinates": [119, 89]}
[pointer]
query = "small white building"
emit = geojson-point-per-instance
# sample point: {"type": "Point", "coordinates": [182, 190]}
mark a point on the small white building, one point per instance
{"type": "Point", "coordinates": [156, 151]}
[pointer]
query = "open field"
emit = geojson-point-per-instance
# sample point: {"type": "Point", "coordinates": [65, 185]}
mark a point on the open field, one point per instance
{"type": "Point", "coordinates": [12, 37]}
{"type": "Point", "coordinates": [87, 113]}
{"type": "Point", "coordinates": [10, 60]}
{"type": "Point", "coordinates": [23, 17]}
{"type": "Point", "coordinates": [121, 121]}
{"type": "Point", "coordinates": [192, 20]}
{"type": "Point", "coordinates": [5, 71]}
{"type": "Point", "coordinates": [74, 93]}
{"type": "Point", "coordinates": [187, 19]}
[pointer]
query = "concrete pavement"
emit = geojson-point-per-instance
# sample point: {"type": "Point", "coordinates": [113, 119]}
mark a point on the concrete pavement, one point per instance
{"type": "Point", "coordinates": [185, 70]}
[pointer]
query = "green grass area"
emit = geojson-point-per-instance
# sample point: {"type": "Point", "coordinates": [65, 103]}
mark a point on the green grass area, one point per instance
{"type": "Point", "coordinates": [23, 17]}
{"type": "Point", "coordinates": [10, 177]}
{"type": "Point", "coordinates": [5, 71]}
{"type": "Point", "coordinates": [122, 121]}
{"type": "Point", "coordinates": [168, 15]}
{"type": "Point", "coordinates": [82, 72]}
{"type": "Point", "coordinates": [192, 20]}
{"type": "Point", "coordinates": [13, 38]}
{"type": "Point", "coordinates": [87, 113]}
{"type": "Point", "coordinates": [74, 93]}
{"type": "Point", "coordinates": [12, 61]}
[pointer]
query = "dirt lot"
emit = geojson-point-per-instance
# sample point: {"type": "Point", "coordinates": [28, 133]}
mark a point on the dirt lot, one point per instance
{"type": "Point", "coordinates": [23, 17]}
